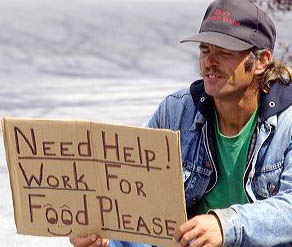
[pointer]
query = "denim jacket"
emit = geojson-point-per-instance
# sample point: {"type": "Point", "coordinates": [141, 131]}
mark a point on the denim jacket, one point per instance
{"type": "Point", "coordinates": [267, 219]}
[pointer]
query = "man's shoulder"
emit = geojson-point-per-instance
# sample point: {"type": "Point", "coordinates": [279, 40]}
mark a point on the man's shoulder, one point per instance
{"type": "Point", "coordinates": [175, 112]}
{"type": "Point", "coordinates": [187, 98]}
{"type": "Point", "coordinates": [182, 93]}
{"type": "Point", "coordinates": [179, 100]}
{"type": "Point", "coordinates": [194, 90]}
{"type": "Point", "coordinates": [285, 118]}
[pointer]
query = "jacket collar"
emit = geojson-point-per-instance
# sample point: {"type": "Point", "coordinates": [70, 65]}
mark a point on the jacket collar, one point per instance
{"type": "Point", "coordinates": [204, 102]}
{"type": "Point", "coordinates": [271, 104]}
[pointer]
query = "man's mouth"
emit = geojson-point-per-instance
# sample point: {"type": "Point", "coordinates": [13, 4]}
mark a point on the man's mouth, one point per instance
{"type": "Point", "coordinates": [213, 76]}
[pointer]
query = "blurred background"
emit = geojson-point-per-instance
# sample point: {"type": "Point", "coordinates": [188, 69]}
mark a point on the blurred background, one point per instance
{"type": "Point", "coordinates": [102, 60]}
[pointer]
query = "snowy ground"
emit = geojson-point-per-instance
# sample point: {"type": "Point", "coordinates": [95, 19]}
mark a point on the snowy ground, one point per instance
{"type": "Point", "coordinates": [109, 61]}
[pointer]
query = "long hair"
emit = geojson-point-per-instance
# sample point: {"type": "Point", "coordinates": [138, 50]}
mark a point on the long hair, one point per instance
{"type": "Point", "coordinates": [275, 71]}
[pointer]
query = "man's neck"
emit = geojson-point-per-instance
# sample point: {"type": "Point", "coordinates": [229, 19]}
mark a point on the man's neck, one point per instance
{"type": "Point", "coordinates": [234, 114]}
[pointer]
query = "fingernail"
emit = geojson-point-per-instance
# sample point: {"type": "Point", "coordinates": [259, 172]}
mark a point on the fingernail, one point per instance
{"type": "Point", "coordinates": [192, 241]}
{"type": "Point", "coordinates": [93, 237]}
{"type": "Point", "coordinates": [98, 241]}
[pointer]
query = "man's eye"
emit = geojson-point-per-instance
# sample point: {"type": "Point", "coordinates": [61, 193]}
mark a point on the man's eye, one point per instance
{"type": "Point", "coordinates": [204, 51]}
{"type": "Point", "coordinates": [226, 53]}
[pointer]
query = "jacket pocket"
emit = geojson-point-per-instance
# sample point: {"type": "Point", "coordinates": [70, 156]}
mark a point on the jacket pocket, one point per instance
{"type": "Point", "coordinates": [196, 180]}
{"type": "Point", "coordinates": [267, 181]}
{"type": "Point", "coordinates": [202, 181]}
{"type": "Point", "coordinates": [187, 170]}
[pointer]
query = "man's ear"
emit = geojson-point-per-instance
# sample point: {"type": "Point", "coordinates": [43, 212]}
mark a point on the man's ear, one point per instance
{"type": "Point", "coordinates": [262, 61]}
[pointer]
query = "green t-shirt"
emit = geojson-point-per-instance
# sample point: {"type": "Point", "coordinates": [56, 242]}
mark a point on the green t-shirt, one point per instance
{"type": "Point", "coordinates": [232, 154]}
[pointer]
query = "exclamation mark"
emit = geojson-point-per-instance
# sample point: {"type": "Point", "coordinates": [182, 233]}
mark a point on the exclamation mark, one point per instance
{"type": "Point", "coordinates": [168, 152]}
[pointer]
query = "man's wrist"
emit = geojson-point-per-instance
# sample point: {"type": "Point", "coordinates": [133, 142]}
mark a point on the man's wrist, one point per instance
{"type": "Point", "coordinates": [210, 212]}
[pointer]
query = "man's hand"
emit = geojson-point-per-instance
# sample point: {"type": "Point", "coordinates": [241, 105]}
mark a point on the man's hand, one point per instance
{"type": "Point", "coordinates": [200, 231]}
{"type": "Point", "coordinates": [89, 241]}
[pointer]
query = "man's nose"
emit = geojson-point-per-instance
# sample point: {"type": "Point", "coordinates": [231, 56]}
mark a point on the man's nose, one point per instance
{"type": "Point", "coordinates": [211, 59]}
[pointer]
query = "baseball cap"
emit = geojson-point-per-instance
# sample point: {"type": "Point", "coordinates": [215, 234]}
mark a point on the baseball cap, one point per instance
{"type": "Point", "coordinates": [236, 25]}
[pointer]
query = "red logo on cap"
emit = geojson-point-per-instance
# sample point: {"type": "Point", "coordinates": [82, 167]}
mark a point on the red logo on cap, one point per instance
{"type": "Point", "coordinates": [225, 15]}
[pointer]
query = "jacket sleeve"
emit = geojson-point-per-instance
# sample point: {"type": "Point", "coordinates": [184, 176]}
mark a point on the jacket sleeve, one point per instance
{"type": "Point", "coordinates": [262, 223]}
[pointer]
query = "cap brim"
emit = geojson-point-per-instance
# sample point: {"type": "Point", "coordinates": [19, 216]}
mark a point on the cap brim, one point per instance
{"type": "Point", "coordinates": [221, 40]}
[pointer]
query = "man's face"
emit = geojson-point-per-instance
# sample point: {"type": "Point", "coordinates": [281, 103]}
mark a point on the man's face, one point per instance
{"type": "Point", "coordinates": [224, 71]}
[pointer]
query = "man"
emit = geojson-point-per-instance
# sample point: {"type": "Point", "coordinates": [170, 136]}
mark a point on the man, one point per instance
{"type": "Point", "coordinates": [236, 135]}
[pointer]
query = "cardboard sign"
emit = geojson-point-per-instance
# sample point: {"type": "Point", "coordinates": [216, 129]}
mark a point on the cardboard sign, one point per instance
{"type": "Point", "coordinates": [73, 178]}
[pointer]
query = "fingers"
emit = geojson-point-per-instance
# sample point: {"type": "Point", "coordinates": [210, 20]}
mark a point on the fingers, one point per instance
{"type": "Point", "coordinates": [83, 241]}
{"type": "Point", "coordinates": [100, 243]}
{"type": "Point", "coordinates": [188, 238]}
{"type": "Point", "coordinates": [198, 242]}
{"type": "Point", "coordinates": [184, 228]}
{"type": "Point", "coordinates": [105, 242]}
{"type": "Point", "coordinates": [201, 231]}
{"type": "Point", "coordinates": [89, 241]}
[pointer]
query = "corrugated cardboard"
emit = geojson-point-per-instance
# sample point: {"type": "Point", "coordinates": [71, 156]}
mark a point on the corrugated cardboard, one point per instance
{"type": "Point", "coordinates": [73, 178]}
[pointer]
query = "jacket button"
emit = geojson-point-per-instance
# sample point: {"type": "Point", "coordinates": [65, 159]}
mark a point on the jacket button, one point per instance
{"type": "Point", "coordinates": [272, 104]}
{"type": "Point", "coordinates": [202, 99]}
{"type": "Point", "coordinates": [272, 189]}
